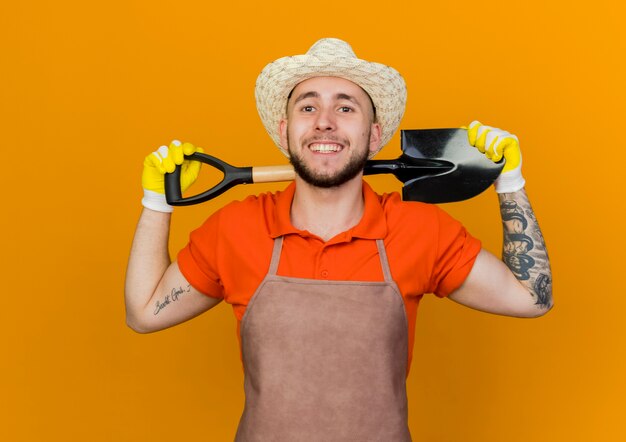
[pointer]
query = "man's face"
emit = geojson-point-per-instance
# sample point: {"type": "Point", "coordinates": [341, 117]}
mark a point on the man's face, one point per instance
{"type": "Point", "coordinates": [329, 131]}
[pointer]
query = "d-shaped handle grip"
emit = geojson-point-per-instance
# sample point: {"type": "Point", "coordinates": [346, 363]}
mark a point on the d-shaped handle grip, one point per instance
{"type": "Point", "coordinates": [233, 176]}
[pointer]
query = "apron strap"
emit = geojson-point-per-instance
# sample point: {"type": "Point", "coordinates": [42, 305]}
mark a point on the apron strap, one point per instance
{"type": "Point", "coordinates": [384, 263]}
{"type": "Point", "coordinates": [278, 246]}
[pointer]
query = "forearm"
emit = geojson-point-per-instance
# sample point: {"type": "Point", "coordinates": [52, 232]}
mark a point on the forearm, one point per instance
{"type": "Point", "coordinates": [149, 259]}
{"type": "Point", "coordinates": [524, 249]}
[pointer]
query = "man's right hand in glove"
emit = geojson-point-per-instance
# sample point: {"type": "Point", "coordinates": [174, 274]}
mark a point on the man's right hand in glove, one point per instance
{"type": "Point", "coordinates": [164, 160]}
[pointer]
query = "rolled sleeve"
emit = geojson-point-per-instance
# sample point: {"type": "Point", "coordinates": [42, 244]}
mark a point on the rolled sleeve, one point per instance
{"type": "Point", "coordinates": [456, 253]}
{"type": "Point", "coordinates": [197, 261]}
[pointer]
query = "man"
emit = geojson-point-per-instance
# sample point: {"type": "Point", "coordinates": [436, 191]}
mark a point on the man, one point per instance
{"type": "Point", "coordinates": [325, 277]}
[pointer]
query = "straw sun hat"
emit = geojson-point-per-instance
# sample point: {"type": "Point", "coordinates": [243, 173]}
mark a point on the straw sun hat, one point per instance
{"type": "Point", "coordinates": [330, 57]}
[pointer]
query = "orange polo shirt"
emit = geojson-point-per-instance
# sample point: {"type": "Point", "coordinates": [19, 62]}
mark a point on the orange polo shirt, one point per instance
{"type": "Point", "coordinates": [428, 251]}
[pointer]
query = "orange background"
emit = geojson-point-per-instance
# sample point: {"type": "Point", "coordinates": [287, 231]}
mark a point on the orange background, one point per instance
{"type": "Point", "coordinates": [88, 89]}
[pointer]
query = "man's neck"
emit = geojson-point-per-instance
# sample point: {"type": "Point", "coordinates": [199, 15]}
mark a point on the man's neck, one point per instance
{"type": "Point", "coordinates": [327, 212]}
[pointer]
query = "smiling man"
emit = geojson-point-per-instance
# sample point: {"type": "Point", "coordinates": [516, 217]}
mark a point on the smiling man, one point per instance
{"type": "Point", "coordinates": [325, 276]}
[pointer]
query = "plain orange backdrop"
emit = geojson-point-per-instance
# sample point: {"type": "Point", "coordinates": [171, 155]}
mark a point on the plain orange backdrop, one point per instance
{"type": "Point", "coordinates": [87, 89]}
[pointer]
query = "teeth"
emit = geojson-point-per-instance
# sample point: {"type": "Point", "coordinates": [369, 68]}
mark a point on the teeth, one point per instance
{"type": "Point", "coordinates": [325, 147]}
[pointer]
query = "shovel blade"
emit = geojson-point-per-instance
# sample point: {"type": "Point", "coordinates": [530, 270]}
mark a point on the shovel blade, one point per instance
{"type": "Point", "coordinates": [471, 174]}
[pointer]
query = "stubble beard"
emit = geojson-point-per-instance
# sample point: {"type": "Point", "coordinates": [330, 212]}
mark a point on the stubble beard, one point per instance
{"type": "Point", "coordinates": [354, 166]}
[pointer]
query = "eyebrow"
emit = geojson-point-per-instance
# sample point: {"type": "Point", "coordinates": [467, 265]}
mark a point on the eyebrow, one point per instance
{"type": "Point", "coordinates": [310, 94]}
{"type": "Point", "coordinates": [339, 96]}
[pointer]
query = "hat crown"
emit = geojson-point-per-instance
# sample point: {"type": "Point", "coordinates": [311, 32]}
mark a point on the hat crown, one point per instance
{"type": "Point", "coordinates": [331, 47]}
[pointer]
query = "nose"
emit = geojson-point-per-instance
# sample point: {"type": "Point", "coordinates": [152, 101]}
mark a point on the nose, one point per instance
{"type": "Point", "coordinates": [325, 120]}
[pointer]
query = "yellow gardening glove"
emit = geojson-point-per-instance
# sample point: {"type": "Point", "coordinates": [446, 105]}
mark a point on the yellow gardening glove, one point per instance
{"type": "Point", "coordinates": [164, 160]}
{"type": "Point", "coordinates": [497, 143]}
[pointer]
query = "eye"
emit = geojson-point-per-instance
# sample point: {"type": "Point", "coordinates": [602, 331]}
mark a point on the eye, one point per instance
{"type": "Point", "coordinates": [307, 108]}
{"type": "Point", "coordinates": [345, 109]}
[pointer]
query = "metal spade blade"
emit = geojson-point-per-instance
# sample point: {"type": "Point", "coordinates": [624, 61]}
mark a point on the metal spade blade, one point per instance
{"type": "Point", "coordinates": [469, 175]}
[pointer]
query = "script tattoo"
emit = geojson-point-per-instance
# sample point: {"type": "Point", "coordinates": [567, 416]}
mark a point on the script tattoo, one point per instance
{"type": "Point", "coordinates": [174, 296]}
{"type": "Point", "coordinates": [524, 248]}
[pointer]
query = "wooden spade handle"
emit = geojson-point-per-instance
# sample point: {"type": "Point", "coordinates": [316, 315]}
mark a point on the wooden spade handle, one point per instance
{"type": "Point", "coordinates": [270, 174]}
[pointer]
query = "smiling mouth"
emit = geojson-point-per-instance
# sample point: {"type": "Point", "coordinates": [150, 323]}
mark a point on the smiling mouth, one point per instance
{"type": "Point", "coordinates": [325, 147]}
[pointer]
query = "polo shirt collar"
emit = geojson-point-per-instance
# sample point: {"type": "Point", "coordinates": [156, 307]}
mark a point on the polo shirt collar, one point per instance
{"type": "Point", "coordinates": [372, 225]}
{"type": "Point", "coordinates": [280, 220]}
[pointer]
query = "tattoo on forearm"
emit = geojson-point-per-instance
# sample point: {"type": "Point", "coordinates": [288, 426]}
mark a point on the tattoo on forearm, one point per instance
{"type": "Point", "coordinates": [543, 289]}
{"type": "Point", "coordinates": [516, 243]}
{"type": "Point", "coordinates": [524, 249]}
{"type": "Point", "coordinates": [174, 296]}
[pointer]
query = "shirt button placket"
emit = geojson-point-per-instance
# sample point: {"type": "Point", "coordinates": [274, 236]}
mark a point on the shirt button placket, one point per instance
{"type": "Point", "coordinates": [323, 265]}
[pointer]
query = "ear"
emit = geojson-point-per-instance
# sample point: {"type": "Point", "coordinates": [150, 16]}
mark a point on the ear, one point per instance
{"type": "Point", "coordinates": [375, 138]}
{"type": "Point", "coordinates": [282, 131]}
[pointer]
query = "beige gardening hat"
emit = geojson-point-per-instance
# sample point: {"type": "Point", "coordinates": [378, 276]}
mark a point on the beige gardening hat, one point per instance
{"type": "Point", "coordinates": [330, 57]}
